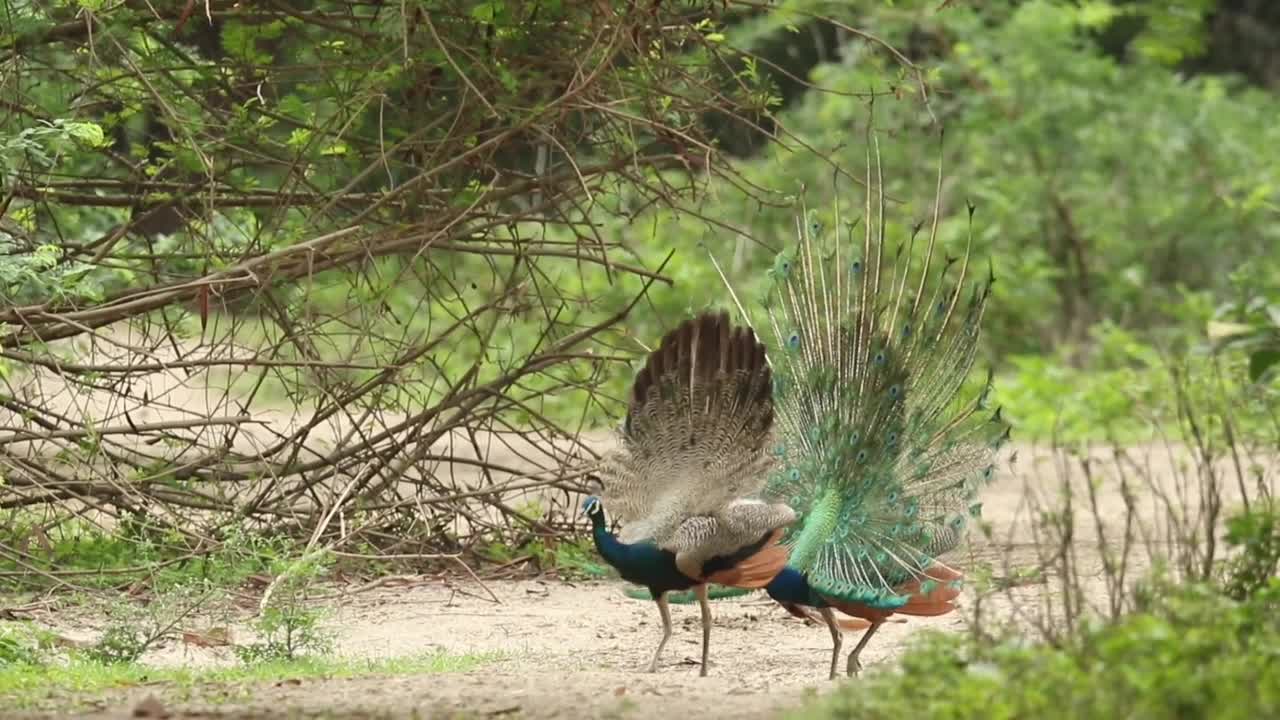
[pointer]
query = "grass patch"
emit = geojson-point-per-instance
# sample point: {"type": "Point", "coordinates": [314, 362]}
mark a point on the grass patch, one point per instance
{"type": "Point", "coordinates": [41, 687]}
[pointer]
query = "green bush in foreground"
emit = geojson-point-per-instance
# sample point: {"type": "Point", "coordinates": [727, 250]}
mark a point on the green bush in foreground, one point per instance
{"type": "Point", "coordinates": [1195, 654]}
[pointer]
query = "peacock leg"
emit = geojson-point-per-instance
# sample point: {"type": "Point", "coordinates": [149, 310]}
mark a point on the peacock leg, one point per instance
{"type": "Point", "coordinates": [665, 611]}
{"type": "Point", "coordinates": [837, 638]}
{"type": "Point", "coordinates": [854, 665]}
{"type": "Point", "coordinates": [705, 603]}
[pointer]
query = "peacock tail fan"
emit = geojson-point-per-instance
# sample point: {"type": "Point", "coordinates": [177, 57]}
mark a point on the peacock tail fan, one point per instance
{"type": "Point", "coordinates": [881, 450]}
{"type": "Point", "coordinates": [694, 450]}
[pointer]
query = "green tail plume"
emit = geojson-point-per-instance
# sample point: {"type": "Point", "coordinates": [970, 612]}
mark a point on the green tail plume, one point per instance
{"type": "Point", "coordinates": [881, 451]}
{"type": "Point", "coordinates": [687, 597]}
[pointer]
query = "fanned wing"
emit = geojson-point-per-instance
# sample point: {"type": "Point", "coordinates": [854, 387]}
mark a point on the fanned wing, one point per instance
{"type": "Point", "coordinates": [882, 453]}
{"type": "Point", "coordinates": [694, 443]}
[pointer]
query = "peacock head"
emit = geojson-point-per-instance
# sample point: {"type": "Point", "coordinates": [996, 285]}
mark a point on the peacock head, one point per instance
{"type": "Point", "coordinates": [591, 507]}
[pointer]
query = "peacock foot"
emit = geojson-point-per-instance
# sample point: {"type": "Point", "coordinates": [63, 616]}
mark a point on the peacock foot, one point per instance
{"type": "Point", "coordinates": [854, 667]}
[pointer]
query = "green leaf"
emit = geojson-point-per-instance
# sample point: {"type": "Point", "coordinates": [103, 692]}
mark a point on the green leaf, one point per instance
{"type": "Point", "coordinates": [1262, 361]}
{"type": "Point", "coordinates": [88, 133]}
{"type": "Point", "coordinates": [1097, 14]}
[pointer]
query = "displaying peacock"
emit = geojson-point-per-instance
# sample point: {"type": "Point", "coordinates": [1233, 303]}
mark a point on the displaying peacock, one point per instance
{"type": "Point", "coordinates": [880, 450]}
{"type": "Point", "coordinates": [694, 452]}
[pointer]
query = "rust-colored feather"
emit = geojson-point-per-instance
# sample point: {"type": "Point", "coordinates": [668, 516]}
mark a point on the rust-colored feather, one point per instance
{"type": "Point", "coordinates": [757, 570]}
{"type": "Point", "coordinates": [940, 599]}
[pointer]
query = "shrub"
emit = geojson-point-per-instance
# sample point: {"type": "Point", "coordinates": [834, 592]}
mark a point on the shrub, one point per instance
{"type": "Point", "coordinates": [1196, 654]}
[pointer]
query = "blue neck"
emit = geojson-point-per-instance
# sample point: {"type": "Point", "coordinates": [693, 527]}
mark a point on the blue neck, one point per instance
{"type": "Point", "coordinates": [790, 586]}
{"type": "Point", "coordinates": [610, 548]}
{"type": "Point", "coordinates": [642, 563]}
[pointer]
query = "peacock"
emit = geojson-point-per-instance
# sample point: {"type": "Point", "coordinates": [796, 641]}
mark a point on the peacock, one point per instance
{"type": "Point", "coordinates": [694, 453]}
{"type": "Point", "coordinates": [881, 447]}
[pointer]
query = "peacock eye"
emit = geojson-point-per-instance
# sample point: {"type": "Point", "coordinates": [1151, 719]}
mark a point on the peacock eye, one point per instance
{"type": "Point", "coordinates": [793, 341]}
{"type": "Point", "coordinates": [879, 359]}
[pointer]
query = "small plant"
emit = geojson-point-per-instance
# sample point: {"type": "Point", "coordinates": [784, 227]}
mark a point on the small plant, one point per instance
{"type": "Point", "coordinates": [120, 643]}
{"type": "Point", "coordinates": [134, 629]}
{"type": "Point", "coordinates": [21, 644]}
{"type": "Point", "coordinates": [286, 626]}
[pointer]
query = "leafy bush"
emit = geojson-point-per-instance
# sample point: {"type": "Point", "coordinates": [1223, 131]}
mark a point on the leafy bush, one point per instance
{"type": "Point", "coordinates": [1131, 390]}
{"type": "Point", "coordinates": [1255, 533]}
{"type": "Point", "coordinates": [1197, 654]}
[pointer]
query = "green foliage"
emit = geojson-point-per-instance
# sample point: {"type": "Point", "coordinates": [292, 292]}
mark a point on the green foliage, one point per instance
{"type": "Point", "coordinates": [1102, 188]}
{"type": "Point", "coordinates": [1195, 654]}
{"type": "Point", "coordinates": [570, 559]}
{"type": "Point", "coordinates": [1131, 392]}
{"type": "Point", "coordinates": [1250, 322]}
{"type": "Point", "coordinates": [130, 552]}
{"type": "Point", "coordinates": [23, 644]}
{"type": "Point", "coordinates": [1255, 534]}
